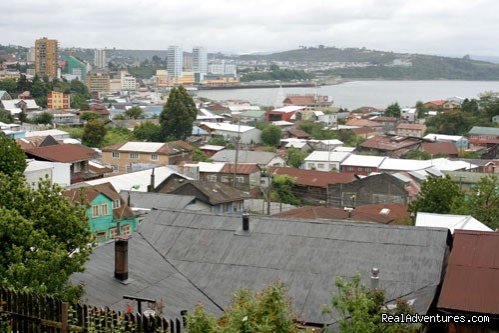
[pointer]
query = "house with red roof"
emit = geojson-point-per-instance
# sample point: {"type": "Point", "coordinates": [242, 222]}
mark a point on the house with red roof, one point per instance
{"type": "Point", "coordinates": [447, 149]}
{"type": "Point", "coordinates": [435, 105]}
{"type": "Point", "coordinates": [77, 155]}
{"type": "Point", "coordinates": [311, 185]}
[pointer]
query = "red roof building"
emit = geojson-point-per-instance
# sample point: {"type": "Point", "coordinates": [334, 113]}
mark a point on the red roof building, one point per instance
{"type": "Point", "coordinates": [471, 282]}
{"type": "Point", "coordinates": [393, 146]}
{"type": "Point", "coordinates": [440, 148]}
{"type": "Point", "coordinates": [435, 105]}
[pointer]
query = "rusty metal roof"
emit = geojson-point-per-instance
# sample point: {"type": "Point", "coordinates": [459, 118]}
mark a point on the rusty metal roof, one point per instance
{"type": "Point", "coordinates": [471, 283]}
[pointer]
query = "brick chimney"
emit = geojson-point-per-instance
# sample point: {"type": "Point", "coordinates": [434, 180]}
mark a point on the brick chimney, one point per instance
{"type": "Point", "coordinates": [121, 259]}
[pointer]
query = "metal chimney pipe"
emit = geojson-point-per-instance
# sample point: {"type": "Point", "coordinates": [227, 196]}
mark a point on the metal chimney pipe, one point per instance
{"type": "Point", "coordinates": [121, 259]}
{"type": "Point", "coordinates": [246, 225]}
{"type": "Point", "coordinates": [151, 185]}
{"type": "Point", "coordinates": [374, 278]}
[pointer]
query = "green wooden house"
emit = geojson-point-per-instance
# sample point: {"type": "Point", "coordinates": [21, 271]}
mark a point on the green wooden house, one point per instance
{"type": "Point", "coordinates": [108, 214]}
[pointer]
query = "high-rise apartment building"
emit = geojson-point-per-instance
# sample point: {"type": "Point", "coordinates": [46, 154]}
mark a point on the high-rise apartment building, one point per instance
{"type": "Point", "coordinates": [46, 57]}
{"type": "Point", "coordinates": [98, 81]}
{"type": "Point", "coordinates": [100, 58]}
{"type": "Point", "coordinates": [31, 56]}
{"type": "Point", "coordinates": [199, 60]}
{"type": "Point", "coordinates": [174, 58]}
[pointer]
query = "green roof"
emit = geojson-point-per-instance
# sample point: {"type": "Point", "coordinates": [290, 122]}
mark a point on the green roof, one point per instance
{"type": "Point", "coordinates": [253, 114]}
{"type": "Point", "coordinates": [484, 130]}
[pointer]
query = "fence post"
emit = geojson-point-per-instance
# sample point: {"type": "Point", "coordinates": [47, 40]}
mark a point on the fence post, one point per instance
{"type": "Point", "coordinates": [64, 317]}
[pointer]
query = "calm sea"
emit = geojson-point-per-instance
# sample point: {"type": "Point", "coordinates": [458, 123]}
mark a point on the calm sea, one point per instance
{"type": "Point", "coordinates": [355, 94]}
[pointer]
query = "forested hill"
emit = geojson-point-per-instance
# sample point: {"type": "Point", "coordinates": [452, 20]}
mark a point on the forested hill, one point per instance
{"type": "Point", "coordinates": [387, 65]}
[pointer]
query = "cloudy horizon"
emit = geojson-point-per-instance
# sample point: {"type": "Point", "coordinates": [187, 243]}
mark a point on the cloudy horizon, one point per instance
{"type": "Point", "coordinates": [448, 27]}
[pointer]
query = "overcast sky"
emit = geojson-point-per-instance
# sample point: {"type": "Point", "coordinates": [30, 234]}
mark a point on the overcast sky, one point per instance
{"type": "Point", "coordinates": [446, 27]}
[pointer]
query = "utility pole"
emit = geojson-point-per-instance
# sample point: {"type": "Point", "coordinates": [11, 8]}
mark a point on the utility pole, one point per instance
{"type": "Point", "coordinates": [237, 152]}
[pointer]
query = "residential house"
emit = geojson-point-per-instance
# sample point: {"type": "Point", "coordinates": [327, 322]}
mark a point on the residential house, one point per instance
{"type": "Point", "coordinates": [252, 116]}
{"type": "Point", "coordinates": [64, 118]}
{"type": "Point", "coordinates": [242, 133]}
{"type": "Point", "coordinates": [361, 164]}
{"type": "Point", "coordinates": [470, 285]}
{"type": "Point", "coordinates": [394, 146]}
{"type": "Point", "coordinates": [483, 165]}
{"type": "Point", "coordinates": [262, 158]}
{"type": "Point", "coordinates": [36, 141]}
{"type": "Point", "coordinates": [193, 255]}
{"type": "Point", "coordinates": [453, 103]}
{"type": "Point", "coordinates": [122, 157]}
{"type": "Point", "coordinates": [295, 133]}
{"type": "Point", "coordinates": [211, 150]}
{"type": "Point", "coordinates": [461, 142]}
{"type": "Point", "coordinates": [325, 144]}
{"type": "Point", "coordinates": [54, 133]}
{"type": "Point", "coordinates": [324, 160]}
{"type": "Point", "coordinates": [285, 113]}
{"type": "Point", "coordinates": [389, 123]}
{"type": "Point", "coordinates": [435, 105]}
{"type": "Point", "coordinates": [247, 176]}
{"type": "Point", "coordinates": [310, 101]}
{"type": "Point", "coordinates": [447, 149]}
{"type": "Point", "coordinates": [451, 222]}
{"type": "Point", "coordinates": [311, 185]}
{"type": "Point", "coordinates": [300, 144]}
{"type": "Point", "coordinates": [314, 115]}
{"type": "Point", "coordinates": [4, 96]}
{"type": "Point", "coordinates": [142, 181]}
{"type": "Point", "coordinates": [16, 106]}
{"type": "Point", "coordinates": [56, 173]}
{"type": "Point", "coordinates": [409, 114]}
{"type": "Point", "coordinates": [411, 130]}
{"type": "Point", "coordinates": [222, 198]}
{"type": "Point", "coordinates": [77, 155]}
{"type": "Point", "coordinates": [374, 189]}
{"type": "Point", "coordinates": [375, 126]}
{"type": "Point", "coordinates": [482, 136]}
{"type": "Point", "coordinates": [58, 100]}
{"type": "Point", "coordinates": [108, 214]}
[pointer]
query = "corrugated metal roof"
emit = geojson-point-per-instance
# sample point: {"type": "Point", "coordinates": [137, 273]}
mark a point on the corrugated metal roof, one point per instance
{"type": "Point", "coordinates": [451, 222]}
{"type": "Point", "coordinates": [306, 255]}
{"type": "Point", "coordinates": [471, 283]}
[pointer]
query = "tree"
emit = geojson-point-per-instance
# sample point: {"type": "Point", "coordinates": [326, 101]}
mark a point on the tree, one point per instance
{"type": "Point", "coordinates": [12, 157]}
{"type": "Point", "coordinates": [451, 123]}
{"type": "Point", "coordinates": [148, 131]}
{"type": "Point", "coordinates": [483, 202]}
{"type": "Point", "coordinates": [45, 238]}
{"type": "Point", "coordinates": [199, 156]}
{"type": "Point", "coordinates": [94, 133]}
{"type": "Point", "coordinates": [295, 157]}
{"type": "Point", "coordinates": [417, 155]}
{"type": "Point", "coordinates": [437, 195]}
{"type": "Point", "coordinates": [6, 117]}
{"type": "Point", "coordinates": [271, 135]}
{"type": "Point", "coordinates": [79, 101]}
{"type": "Point", "coordinates": [360, 309]}
{"type": "Point", "coordinates": [393, 110]}
{"type": "Point", "coordinates": [422, 111]}
{"type": "Point", "coordinates": [87, 116]}
{"type": "Point", "coordinates": [217, 140]}
{"type": "Point", "coordinates": [283, 188]}
{"type": "Point", "coordinates": [178, 116]}
{"type": "Point", "coordinates": [9, 85]}
{"type": "Point", "coordinates": [134, 112]}
{"type": "Point", "coordinates": [268, 311]}
{"type": "Point", "coordinates": [43, 118]}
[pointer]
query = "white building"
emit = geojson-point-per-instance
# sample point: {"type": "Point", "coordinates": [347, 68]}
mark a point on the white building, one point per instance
{"type": "Point", "coordinates": [247, 134]}
{"type": "Point", "coordinates": [57, 173]}
{"type": "Point", "coordinates": [199, 60]}
{"type": "Point", "coordinates": [128, 82]}
{"type": "Point", "coordinates": [175, 61]}
{"type": "Point", "coordinates": [31, 55]}
{"type": "Point", "coordinates": [451, 222]}
{"type": "Point", "coordinates": [100, 58]}
{"type": "Point", "coordinates": [222, 67]}
{"type": "Point", "coordinates": [409, 114]}
{"type": "Point", "coordinates": [325, 160]}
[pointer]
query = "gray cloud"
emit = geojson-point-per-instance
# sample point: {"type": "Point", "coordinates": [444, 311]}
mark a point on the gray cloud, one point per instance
{"type": "Point", "coordinates": [425, 26]}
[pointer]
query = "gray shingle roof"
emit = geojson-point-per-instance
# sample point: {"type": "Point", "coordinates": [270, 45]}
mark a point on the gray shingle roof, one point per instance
{"type": "Point", "coordinates": [150, 200]}
{"type": "Point", "coordinates": [306, 255]}
{"type": "Point", "coordinates": [484, 130]}
{"type": "Point", "coordinates": [244, 156]}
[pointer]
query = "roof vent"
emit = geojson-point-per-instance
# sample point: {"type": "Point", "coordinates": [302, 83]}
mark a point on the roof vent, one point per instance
{"type": "Point", "coordinates": [374, 278]}
{"type": "Point", "coordinates": [245, 229]}
{"type": "Point", "coordinates": [384, 211]}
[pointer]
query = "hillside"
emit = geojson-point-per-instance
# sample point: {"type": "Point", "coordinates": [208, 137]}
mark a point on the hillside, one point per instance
{"type": "Point", "coordinates": [370, 64]}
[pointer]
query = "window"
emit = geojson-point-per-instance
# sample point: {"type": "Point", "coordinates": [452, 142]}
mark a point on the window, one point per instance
{"type": "Point", "coordinates": [113, 232]}
{"type": "Point", "coordinates": [212, 178]}
{"type": "Point", "coordinates": [134, 156]}
{"type": "Point", "coordinates": [360, 169]}
{"type": "Point", "coordinates": [240, 179]}
{"type": "Point", "coordinates": [104, 209]}
{"type": "Point", "coordinates": [368, 169]}
{"type": "Point", "coordinates": [235, 206]}
{"type": "Point", "coordinates": [350, 168]}
{"type": "Point", "coordinates": [126, 230]}
{"type": "Point", "coordinates": [311, 165]}
{"type": "Point", "coordinates": [128, 168]}
{"type": "Point", "coordinates": [101, 236]}
{"type": "Point", "coordinates": [95, 210]}
{"type": "Point", "coordinates": [77, 167]}
{"type": "Point", "coordinates": [116, 154]}
{"type": "Point", "coordinates": [115, 168]}
{"type": "Point", "coordinates": [225, 179]}
{"type": "Point", "coordinates": [320, 166]}
{"type": "Point", "coordinates": [116, 203]}
{"type": "Point", "coordinates": [154, 157]}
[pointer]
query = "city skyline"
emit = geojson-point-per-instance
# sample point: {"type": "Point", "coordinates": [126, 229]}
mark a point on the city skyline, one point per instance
{"type": "Point", "coordinates": [222, 26]}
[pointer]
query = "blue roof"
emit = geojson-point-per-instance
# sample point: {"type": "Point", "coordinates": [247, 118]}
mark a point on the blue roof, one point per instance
{"type": "Point", "coordinates": [198, 131]}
